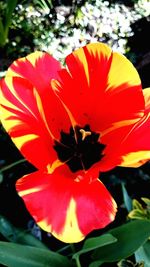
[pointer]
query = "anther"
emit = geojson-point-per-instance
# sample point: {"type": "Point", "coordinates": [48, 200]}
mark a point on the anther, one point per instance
{"type": "Point", "coordinates": [84, 133]}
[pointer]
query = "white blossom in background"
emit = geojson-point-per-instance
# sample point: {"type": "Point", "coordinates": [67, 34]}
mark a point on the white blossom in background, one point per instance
{"type": "Point", "coordinates": [101, 22]}
{"type": "Point", "coordinates": [97, 22]}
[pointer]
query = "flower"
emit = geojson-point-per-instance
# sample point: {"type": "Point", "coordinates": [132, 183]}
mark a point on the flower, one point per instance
{"type": "Point", "coordinates": [72, 123]}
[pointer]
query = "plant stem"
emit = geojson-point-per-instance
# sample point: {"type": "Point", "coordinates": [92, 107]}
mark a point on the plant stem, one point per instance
{"type": "Point", "coordinates": [78, 262]}
{"type": "Point", "coordinates": [12, 165]}
{"type": "Point", "coordinates": [72, 248]}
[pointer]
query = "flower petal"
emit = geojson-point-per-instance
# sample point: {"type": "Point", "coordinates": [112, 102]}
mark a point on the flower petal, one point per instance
{"type": "Point", "coordinates": [128, 145]}
{"type": "Point", "coordinates": [40, 69]}
{"type": "Point", "coordinates": [136, 147]}
{"type": "Point", "coordinates": [114, 139]}
{"type": "Point", "coordinates": [31, 112]}
{"type": "Point", "coordinates": [21, 118]}
{"type": "Point", "coordinates": [98, 83]}
{"type": "Point", "coordinates": [146, 93]}
{"type": "Point", "coordinates": [68, 208]}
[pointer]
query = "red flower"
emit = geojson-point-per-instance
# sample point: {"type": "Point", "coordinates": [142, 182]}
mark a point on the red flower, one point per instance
{"type": "Point", "coordinates": [73, 123]}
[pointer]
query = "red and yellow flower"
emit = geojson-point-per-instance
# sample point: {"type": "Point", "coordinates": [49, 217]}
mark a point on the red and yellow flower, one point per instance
{"type": "Point", "coordinates": [72, 123]}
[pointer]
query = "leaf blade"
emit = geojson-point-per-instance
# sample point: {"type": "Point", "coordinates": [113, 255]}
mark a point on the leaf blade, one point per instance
{"type": "Point", "coordinates": [16, 255]}
{"type": "Point", "coordinates": [130, 237]}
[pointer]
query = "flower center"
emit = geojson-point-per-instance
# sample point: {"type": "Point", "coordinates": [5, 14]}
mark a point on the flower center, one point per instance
{"type": "Point", "coordinates": [79, 148]}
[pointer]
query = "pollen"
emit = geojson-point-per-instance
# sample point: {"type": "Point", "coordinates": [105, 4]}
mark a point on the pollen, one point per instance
{"type": "Point", "coordinates": [84, 133]}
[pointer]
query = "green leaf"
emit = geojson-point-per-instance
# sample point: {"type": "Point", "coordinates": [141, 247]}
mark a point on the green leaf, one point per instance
{"type": "Point", "coordinates": [130, 237]}
{"type": "Point", "coordinates": [128, 263]}
{"type": "Point", "coordinates": [11, 4]}
{"type": "Point", "coordinates": [15, 255]}
{"type": "Point", "coordinates": [127, 199]}
{"type": "Point", "coordinates": [146, 201]}
{"type": "Point", "coordinates": [143, 254]}
{"type": "Point", "coordinates": [137, 214]}
{"type": "Point", "coordinates": [2, 37]}
{"type": "Point", "coordinates": [4, 26]}
{"type": "Point", "coordinates": [43, 4]}
{"type": "Point", "coordinates": [137, 205]}
{"type": "Point", "coordinates": [96, 264]}
{"type": "Point", "coordinates": [16, 235]}
{"type": "Point", "coordinates": [1, 177]}
{"type": "Point", "coordinates": [95, 242]}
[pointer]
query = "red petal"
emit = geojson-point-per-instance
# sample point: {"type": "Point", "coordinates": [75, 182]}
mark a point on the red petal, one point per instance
{"type": "Point", "coordinates": [136, 148]}
{"type": "Point", "coordinates": [21, 118]}
{"type": "Point", "coordinates": [114, 139]}
{"type": "Point", "coordinates": [67, 208]}
{"type": "Point", "coordinates": [40, 69]}
{"type": "Point", "coordinates": [31, 112]}
{"type": "Point", "coordinates": [146, 93]}
{"type": "Point", "coordinates": [130, 145]}
{"type": "Point", "coordinates": [100, 87]}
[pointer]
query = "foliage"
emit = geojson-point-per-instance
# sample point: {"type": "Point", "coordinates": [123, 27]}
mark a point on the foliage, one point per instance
{"type": "Point", "coordinates": [112, 246]}
{"type": "Point", "coordinates": [140, 211]}
{"type": "Point", "coordinates": [7, 10]}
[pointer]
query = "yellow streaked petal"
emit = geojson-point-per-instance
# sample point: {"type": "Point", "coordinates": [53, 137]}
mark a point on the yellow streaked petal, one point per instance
{"type": "Point", "coordinates": [78, 55]}
{"type": "Point", "coordinates": [11, 73]}
{"type": "Point", "coordinates": [30, 191]}
{"type": "Point", "coordinates": [9, 83]}
{"type": "Point", "coordinates": [55, 86]}
{"type": "Point", "coordinates": [99, 49]}
{"type": "Point", "coordinates": [9, 124]}
{"type": "Point", "coordinates": [135, 159]}
{"type": "Point", "coordinates": [41, 110]}
{"type": "Point", "coordinates": [43, 225]}
{"type": "Point", "coordinates": [54, 165]}
{"type": "Point", "coordinates": [146, 93]}
{"type": "Point", "coordinates": [71, 232]}
{"type": "Point", "coordinates": [31, 57]}
{"type": "Point", "coordinates": [128, 75]}
{"type": "Point", "coordinates": [120, 124]}
{"type": "Point", "coordinates": [21, 140]}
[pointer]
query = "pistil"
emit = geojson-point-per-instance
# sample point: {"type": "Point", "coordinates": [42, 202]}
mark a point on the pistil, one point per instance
{"type": "Point", "coordinates": [80, 148]}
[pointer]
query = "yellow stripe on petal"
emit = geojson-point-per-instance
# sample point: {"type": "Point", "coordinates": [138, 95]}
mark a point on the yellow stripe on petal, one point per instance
{"type": "Point", "coordinates": [20, 141]}
{"type": "Point", "coordinates": [71, 232]}
{"type": "Point", "coordinates": [45, 226]}
{"type": "Point", "coordinates": [99, 50]}
{"type": "Point", "coordinates": [55, 85]}
{"type": "Point", "coordinates": [128, 74]}
{"type": "Point", "coordinates": [31, 57]}
{"type": "Point", "coordinates": [30, 191]}
{"type": "Point", "coordinates": [8, 104]}
{"type": "Point", "coordinates": [9, 83]}
{"type": "Point", "coordinates": [11, 73]}
{"type": "Point", "coordinates": [135, 159]}
{"type": "Point", "coordinates": [54, 165]}
{"type": "Point", "coordinates": [146, 93]}
{"type": "Point", "coordinates": [78, 55]}
{"type": "Point", "coordinates": [41, 110]}
{"type": "Point", "coordinates": [9, 124]}
{"type": "Point", "coordinates": [120, 124]}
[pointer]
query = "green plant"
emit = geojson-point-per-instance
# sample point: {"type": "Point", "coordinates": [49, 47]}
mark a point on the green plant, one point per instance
{"type": "Point", "coordinates": [6, 20]}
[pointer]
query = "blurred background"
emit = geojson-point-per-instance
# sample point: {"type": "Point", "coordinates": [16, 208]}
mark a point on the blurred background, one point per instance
{"type": "Point", "coordinates": [59, 27]}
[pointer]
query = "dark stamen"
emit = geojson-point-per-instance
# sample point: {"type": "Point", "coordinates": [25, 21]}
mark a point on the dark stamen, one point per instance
{"type": "Point", "coordinates": [79, 148]}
